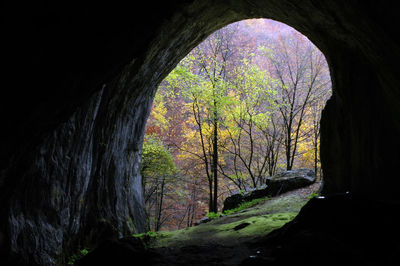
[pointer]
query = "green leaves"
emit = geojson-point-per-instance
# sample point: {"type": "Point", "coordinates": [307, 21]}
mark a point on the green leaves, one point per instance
{"type": "Point", "coordinates": [156, 159]}
{"type": "Point", "coordinates": [252, 93]}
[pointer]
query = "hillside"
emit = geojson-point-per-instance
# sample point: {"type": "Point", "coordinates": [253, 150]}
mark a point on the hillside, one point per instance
{"type": "Point", "coordinates": [226, 240]}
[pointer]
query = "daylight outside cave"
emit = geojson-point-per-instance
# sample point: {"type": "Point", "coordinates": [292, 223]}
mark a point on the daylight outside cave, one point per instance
{"type": "Point", "coordinates": [241, 107]}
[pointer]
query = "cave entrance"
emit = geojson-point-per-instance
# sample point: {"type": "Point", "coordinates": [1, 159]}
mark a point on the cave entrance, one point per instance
{"type": "Point", "coordinates": [242, 106]}
{"type": "Point", "coordinates": [72, 146]}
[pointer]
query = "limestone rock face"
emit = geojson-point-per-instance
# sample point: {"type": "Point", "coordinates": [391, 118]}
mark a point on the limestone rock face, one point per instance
{"type": "Point", "coordinates": [81, 185]}
{"type": "Point", "coordinates": [78, 84]}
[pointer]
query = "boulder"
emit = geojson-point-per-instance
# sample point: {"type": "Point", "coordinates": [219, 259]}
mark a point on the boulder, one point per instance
{"type": "Point", "coordinates": [280, 183]}
{"type": "Point", "coordinates": [290, 180]}
{"type": "Point", "coordinates": [203, 220]}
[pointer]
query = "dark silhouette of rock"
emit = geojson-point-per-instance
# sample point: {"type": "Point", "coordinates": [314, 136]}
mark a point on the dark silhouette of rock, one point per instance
{"type": "Point", "coordinates": [125, 251]}
{"type": "Point", "coordinates": [77, 87]}
{"type": "Point", "coordinates": [276, 185]}
{"type": "Point", "coordinates": [341, 229]}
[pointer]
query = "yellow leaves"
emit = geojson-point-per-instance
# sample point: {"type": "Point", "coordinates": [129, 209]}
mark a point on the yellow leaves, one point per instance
{"type": "Point", "coordinates": [307, 154]}
{"type": "Point", "coordinates": [233, 94]}
{"type": "Point", "coordinates": [159, 112]}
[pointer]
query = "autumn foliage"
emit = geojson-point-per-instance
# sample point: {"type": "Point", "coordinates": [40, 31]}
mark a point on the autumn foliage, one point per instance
{"type": "Point", "coordinates": [241, 106]}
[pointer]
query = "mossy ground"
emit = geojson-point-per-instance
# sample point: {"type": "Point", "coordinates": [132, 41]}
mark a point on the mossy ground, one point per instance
{"type": "Point", "coordinates": [236, 228]}
{"type": "Point", "coordinates": [225, 240]}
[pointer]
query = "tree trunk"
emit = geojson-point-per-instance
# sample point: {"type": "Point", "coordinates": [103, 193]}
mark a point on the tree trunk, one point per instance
{"type": "Point", "coordinates": [160, 203]}
{"type": "Point", "coordinates": [215, 158]}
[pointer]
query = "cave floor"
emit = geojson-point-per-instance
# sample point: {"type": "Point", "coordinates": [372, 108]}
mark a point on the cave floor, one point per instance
{"type": "Point", "coordinates": [229, 240]}
{"type": "Point", "coordinates": [291, 230]}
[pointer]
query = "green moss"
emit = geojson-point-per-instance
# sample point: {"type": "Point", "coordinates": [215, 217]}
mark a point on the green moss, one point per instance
{"type": "Point", "coordinates": [225, 233]}
{"type": "Point", "coordinates": [213, 215]}
{"type": "Point", "coordinates": [75, 257]}
{"type": "Point", "coordinates": [251, 220]}
{"type": "Point", "coordinates": [258, 226]}
{"type": "Point", "coordinates": [145, 235]}
{"type": "Point", "coordinates": [246, 205]}
{"type": "Point", "coordinates": [313, 195]}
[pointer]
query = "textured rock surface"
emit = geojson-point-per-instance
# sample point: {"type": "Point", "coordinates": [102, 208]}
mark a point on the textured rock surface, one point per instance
{"type": "Point", "coordinates": [80, 184]}
{"type": "Point", "coordinates": [70, 146]}
{"type": "Point", "coordinates": [278, 184]}
{"type": "Point", "coordinates": [290, 180]}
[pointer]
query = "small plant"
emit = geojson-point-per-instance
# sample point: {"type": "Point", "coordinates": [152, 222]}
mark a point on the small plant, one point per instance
{"type": "Point", "coordinates": [313, 195]}
{"type": "Point", "coordinates": [147, 238]}
{"type": "Point", "coordinates": [213, 215]}
{"type": "Point", "coordinates": [84, 252]}
{"type": "Point", "coordinates": [144, 236]}
{"type": "Point", "coordinates": [77, 256]}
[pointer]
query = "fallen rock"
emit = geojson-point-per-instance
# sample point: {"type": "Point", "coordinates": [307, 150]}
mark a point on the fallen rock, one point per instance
{"type": "Point", "coordinates": [290, 180]}
{"type": "Point", "coordinates": [203, 220]}
{"type": "Point", "coordinates": [276, 185]}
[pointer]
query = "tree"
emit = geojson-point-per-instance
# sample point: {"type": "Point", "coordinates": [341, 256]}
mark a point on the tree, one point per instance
{"type": "Point", "coordinates": [202, 79]}
{"type": "Point", "coordinates": [158, 171]}
{"type": "Point", "coordinates": [232, 113]}
{"type": "Point", "coordinates": [251, 104]}
{"type": "Point", "coordinates": [301, 69]}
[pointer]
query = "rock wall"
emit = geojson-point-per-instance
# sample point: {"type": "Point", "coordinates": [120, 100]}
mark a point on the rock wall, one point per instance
{"type": "Point", "coordinates": [79, 82]}
{"type": "Point", "coordinates": [82, 184]}
{"type": "Point", "coordinates": [359, 126]}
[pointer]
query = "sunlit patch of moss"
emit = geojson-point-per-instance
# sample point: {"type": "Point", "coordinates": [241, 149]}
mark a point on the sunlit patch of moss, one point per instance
{"type": "Point", "coordinates": [258, 225]}
{"type": "Point", "coordinates": [225, 233]}
{"type": "Point", "coordinates": [213, 215]}
{"type": "Point", "coordinates": [257, 220]}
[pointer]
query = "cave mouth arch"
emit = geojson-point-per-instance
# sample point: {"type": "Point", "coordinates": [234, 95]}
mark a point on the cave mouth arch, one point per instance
{"type": "Point", "coordinates": [66, 110]}
{"type": "Point", "coordinates": [261, 50]}
{"type": "Point", "coordinates": [347, 173]}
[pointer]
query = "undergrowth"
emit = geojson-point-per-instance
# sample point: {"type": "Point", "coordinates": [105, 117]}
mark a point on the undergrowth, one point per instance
{"type": "Point", "coordinates": [148, 237]}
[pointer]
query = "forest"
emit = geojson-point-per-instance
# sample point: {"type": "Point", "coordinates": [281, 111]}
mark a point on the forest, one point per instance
{"type": "Point", "coordinates": [242, 106]}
